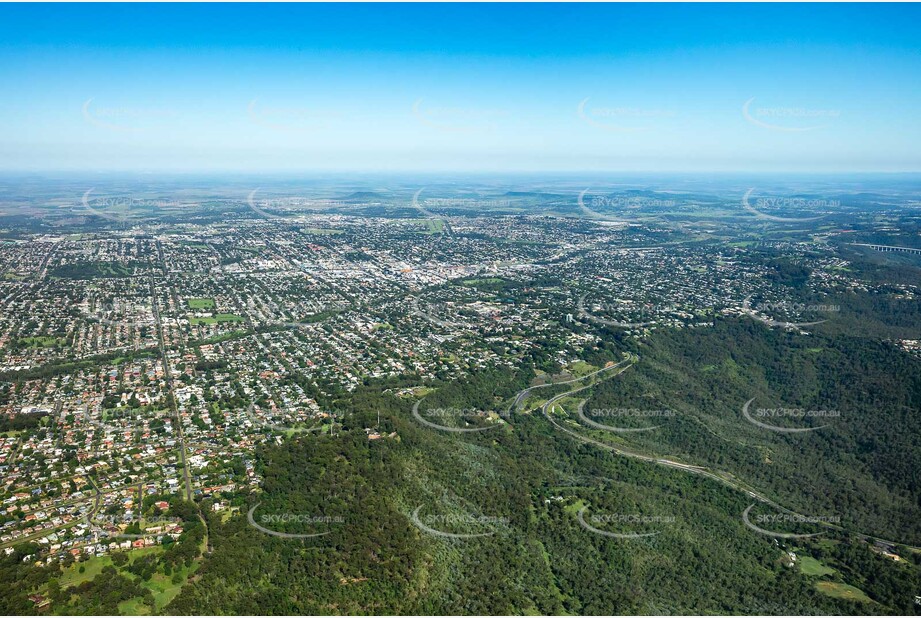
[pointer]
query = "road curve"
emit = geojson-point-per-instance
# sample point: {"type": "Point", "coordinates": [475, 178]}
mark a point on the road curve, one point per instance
{"type": "Point", "coordinates": [668, 463]}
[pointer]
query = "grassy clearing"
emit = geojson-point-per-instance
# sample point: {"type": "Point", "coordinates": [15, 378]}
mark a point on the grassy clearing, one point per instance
{"type": "Point", "coordinates": [482, 281]}
{"type": "Point", "coordinates": [71, 576]}
{"type": "Point", "coordinates": [41, 342]}
{"type": "Point", "coordinates": [575, 507]}
{"type": "Point", "coordinates": [161, 586]}
{"type": "Point", "coordinates": [220, 318]}
{"type": "Point", "coordinates": [810, 566]}
{"type": "Point", "coordinates": [201, 303]}
{"type": "Point", "coordinates": [431, 226]}
{"type": "Point", "coordinates": [581, 368]}
{"type": "Point", "coordinates": [843, 591]}
{"type": "Point", "coordinates": [133, 607]}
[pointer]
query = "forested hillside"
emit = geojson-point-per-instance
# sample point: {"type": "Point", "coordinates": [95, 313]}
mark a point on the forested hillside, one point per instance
{"type": "Point", "coordinates": [505, 503]}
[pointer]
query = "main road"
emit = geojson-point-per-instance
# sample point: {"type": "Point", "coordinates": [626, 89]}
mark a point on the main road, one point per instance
{"type": "Point", "coordinates": [723, 478]}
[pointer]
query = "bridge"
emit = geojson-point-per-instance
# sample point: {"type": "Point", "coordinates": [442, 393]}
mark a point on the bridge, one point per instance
{"type": "Point", "coordinates": [888, 248]}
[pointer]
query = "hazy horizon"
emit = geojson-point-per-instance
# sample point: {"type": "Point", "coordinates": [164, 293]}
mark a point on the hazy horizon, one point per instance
{"type": "Point", "coordinates": [461, 88]}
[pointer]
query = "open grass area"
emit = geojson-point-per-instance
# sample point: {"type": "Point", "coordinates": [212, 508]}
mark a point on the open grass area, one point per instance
{"type": "Point", "coordinates": [161, 586]}
{"type": "Point", "coordinates": [71, 576]}
{"type": "Point", "coordinates": [94, 270]}
{"type": "Point", "coordinates": [133, 607]}
{"type": "Point", "coordinates": [810, 566]}
{"type": "Point", "coordinates": [575, 507]}
{"type": "Point", "coordinates": [431, 226]}
{"type": "Point", "coordinates": [843, 591]}
{"type": "Point", "coordinates": [481, 281]}
{"type": "Point", "coordinates": [219, 318]}
{"type": "Point", "coordinates": [201, 303]}
{"type": "Point", "coordinates": [581, 368]}
{"type": "Point", "coordinates": [41, 342]}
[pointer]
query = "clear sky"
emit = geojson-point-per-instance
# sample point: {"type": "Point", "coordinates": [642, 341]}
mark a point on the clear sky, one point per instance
{"type": "Point", "coordinates": [806, 88]}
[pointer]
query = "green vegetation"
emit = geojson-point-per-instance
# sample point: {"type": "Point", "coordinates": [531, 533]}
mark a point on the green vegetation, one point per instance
{"type": "Point", "coordinates": [539, 559]}
{"type": "Point", "coordinates": [859, 467]}
{"type": "Point", "coordinates": [843, 591]}
{"type": "Point", "coordinates": [142, 581]}
{"type": "Point", "coordinates": [810, 566]}
{"type": "Point", "coordinates": [431, 226]}
{"type": "Point", "coordinates": [481, 281]}
{"type": "Point", "coordinates": [219, 318]}
{"type": "Point", "coordinates": [40, 342]}
{"type": "Point", "coordinates": [96, 270]}
{"type": "Point", "coordinates": [201, 303]}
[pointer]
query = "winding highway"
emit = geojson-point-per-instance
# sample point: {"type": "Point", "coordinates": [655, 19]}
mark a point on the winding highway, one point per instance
{"type": "Point", "coordinates": [709, 473]}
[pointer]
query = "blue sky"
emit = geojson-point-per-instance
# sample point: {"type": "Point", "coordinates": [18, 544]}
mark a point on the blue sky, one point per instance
{"type": "Point", "coordinates": [765, 88]}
